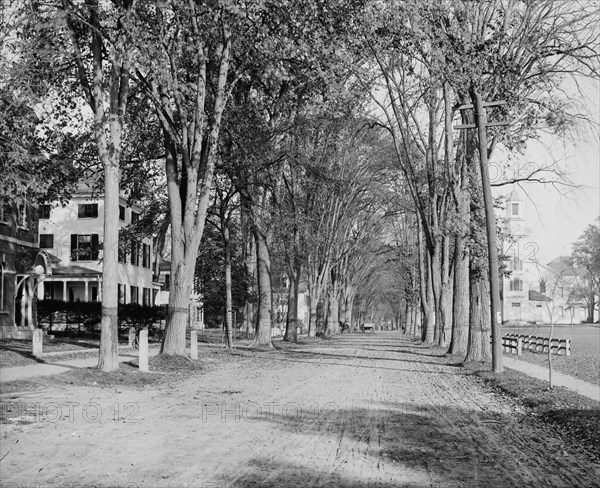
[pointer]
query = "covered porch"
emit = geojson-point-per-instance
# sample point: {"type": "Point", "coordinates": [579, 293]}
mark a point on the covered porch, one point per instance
{"type": "Point", "coordinates": [71, 284]}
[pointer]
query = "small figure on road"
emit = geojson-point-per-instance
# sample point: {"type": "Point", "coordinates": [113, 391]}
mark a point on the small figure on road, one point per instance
{"type": "Point", "coordinates": [368, 326]}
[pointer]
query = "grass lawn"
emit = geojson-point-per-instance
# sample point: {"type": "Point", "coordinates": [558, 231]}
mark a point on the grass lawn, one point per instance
{"type": "Point", "coordinates": [576, 418]}
{"type": "Point", "coordinates": [584, 361]}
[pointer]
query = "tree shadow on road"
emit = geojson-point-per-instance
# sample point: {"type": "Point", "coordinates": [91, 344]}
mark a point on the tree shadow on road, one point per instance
{"type": "Point", "coordinates": [299, 354]}
{"type": "Point", "coordinates": [403, 444]}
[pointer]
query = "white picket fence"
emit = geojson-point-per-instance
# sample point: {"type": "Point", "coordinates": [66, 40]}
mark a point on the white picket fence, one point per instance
{"type": "Point", "coordinates": [517, 343]}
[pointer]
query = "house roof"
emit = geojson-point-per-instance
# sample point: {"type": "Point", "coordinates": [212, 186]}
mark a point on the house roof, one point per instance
{"type": "Point", "coordinates": [563, 265]}
{"type": "Point", "coordinates": [74, 270]}
{"type": "Point", "coordinates": [536, 296]}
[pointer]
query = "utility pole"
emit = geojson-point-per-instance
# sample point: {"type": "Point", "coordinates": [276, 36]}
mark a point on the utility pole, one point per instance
{"type": "Point", "coordinates": [481, 125]}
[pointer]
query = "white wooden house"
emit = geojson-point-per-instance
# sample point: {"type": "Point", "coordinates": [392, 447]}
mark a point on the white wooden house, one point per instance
{"type": "Point", "coordinates": [72, 235]}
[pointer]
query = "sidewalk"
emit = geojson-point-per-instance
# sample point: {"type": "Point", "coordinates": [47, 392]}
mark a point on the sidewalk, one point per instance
{"type": "Point", "coordinates": [581, 387]}
{"type": "Point", "coordinates": [60, 366]}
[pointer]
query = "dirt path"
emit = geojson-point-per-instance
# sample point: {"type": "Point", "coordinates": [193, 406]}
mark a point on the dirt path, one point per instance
{"type": "Point", "coordinates": [362, 410]}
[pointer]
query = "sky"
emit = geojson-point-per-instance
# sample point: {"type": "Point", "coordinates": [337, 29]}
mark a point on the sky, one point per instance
{"type": "Point", "coordinates": [557, 216]}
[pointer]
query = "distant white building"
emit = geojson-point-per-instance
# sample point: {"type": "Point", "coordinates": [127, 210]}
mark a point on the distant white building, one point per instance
{"type": "Point", "coordinates": [534, 292]}
{"type": "Point", "coordinates": [72, 236]}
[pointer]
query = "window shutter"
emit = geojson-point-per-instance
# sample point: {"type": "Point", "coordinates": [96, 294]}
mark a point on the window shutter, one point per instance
{"type": "Point", "coordinates": [73, 247]}
{"type": "Point", "coordinates": [95, 246]}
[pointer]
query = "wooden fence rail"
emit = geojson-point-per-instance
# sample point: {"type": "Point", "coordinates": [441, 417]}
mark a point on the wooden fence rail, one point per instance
{"type": "Point", "coordinates": [516, 343]}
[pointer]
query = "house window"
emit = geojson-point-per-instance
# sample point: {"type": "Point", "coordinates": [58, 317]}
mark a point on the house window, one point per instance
{"type": "Point", "coordinates": [146, 297]}
{"type": "Point", "coordinates": [49, 290]}
{"type": "Point", "coordinates": [121, 290]}
{"type": "Point", "coordinates": [22, 221]}
{"type": "Point", "coordinates": [135, 298]}
{"type": "Point", "coordinates": [135, 253]}
{"type": "Point", "coordinates": [44, 211]}
{"type": "Point", "coordinates": [146, 256]}
{"type": "Point", "coordinates": [87, 210]}
{"type": "Point", "coordinates": [517, 264]}
{"type": "Point", "coordinates": [135, 216]}
{"type": "Point", "coordinates": [167, 282]}
{"type": "Point", "coordinates": [515, 209]}
{"type": "Point", "coordinates": [121, 255]}
{"type": "Point", "coordinates": [515, 305]}
{"type": "Point", "coordinates": [516, 285]}
{"type": "Point", "coordinates": [561, 311]}
{"type": "Point", "coordinates": [46, 241]}
{"type": "Point", "coordinates": [4, 213]}
{"type": "Point", "coordinates": [542, 287]}
{"type": "Point", "coordinates": [122, 213]}
{"type": "Point", "coordinates": [84, 247]}
{"type": "Point", "coordinates": [94, 293]}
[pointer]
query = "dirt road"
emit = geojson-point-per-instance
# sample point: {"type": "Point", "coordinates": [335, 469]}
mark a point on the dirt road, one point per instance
{"type": "Point", "coordinates": [358, 411]}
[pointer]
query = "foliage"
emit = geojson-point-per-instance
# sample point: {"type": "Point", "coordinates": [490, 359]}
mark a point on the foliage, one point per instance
{"type": "Point", "coordinates": [88, 314]}
{"type": "Point", "coordinates": [586, 257]}
{"type": "Point", "coordinates": [210, 274]}
{"type": "Point", "coordinates": [28, 171]}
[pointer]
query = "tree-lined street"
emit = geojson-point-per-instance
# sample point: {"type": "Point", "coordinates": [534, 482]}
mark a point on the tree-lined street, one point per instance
{"type": "Point", "coordinates": [280, 178]}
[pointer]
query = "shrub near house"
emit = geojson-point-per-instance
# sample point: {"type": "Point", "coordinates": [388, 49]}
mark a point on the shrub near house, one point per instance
{"type": "Point", "coordinates": [86, 316]}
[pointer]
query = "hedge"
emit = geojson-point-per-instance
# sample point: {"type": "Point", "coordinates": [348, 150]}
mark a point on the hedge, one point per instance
{"type": "Point", "coordinates": [87, 315]}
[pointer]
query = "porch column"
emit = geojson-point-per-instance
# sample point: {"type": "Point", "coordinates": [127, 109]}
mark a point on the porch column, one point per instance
{"type": "Point", "coordinates": [100, 291]}
{"type": "Point", "coordinates": [29, 304]}
{"type": "Point", "coordinates": [65, 297]}
{"type": "Point", "coordinates": [41, 290]}
{"type": "Point", "coordinates": [22, 302]}
{"type": "Point", "coordinates": [85, 292]}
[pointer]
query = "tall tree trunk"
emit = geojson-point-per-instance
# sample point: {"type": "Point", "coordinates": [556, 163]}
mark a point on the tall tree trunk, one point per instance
{"type": "Point", "coordinates": [427, 299]}
{"type": "Point", "coordinates": [191, 134]}
{"type": "Point", "coordinates": [346, 306]}
{"type": "Point", "coordinates": [228, 299]}
{"type": "Point", "coordinates": [291, 327]}
{"type": "Point", "coordinates": [333, 318]}
{"type": "Point", "coordinates": [102, 82]}
{"type": "Point", "coordinates": [445, 307]}
{"type": "Point", "coordinates": [249, 256]}
{"type": "Point", "coordinates": [108, 359]}
{"type": "Point", "coordinates": [174, 343]}
{"type": "Point", "coordinates": [184, 247]}
{"type": "Point", "coordinates": [264, 317]}
{"type": "Point", "coordinates": [460, 320]}
{"type": "Point", "coordinates": [321, 316]}
{"type": "Point", "coordinates": [480, 331]}
{"type": "Point", "coordinates": [312, 316]}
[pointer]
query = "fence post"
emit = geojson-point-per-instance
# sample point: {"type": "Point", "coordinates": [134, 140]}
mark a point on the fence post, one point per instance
{"type": "Point", "coordinates": [143, 351]}
{"type": "Point", "coordinates": [37, 342]}
{"type": "Point", "coordinates": [194, 344]}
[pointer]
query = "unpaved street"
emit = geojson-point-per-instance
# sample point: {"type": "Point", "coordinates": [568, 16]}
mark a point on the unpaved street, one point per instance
{"type": "Point", "coordinates": [358, 411]}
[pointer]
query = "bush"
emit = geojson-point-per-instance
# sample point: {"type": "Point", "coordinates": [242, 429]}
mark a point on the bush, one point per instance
{"type": "Point", "coordinates": [88, 315]}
